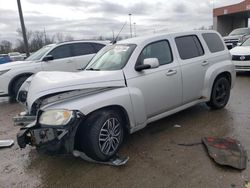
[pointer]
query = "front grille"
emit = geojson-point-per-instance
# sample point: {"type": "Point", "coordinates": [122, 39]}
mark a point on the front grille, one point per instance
{"type": "Point", "coordinates": [242, 67]}
{"type": "Point", "coordinates": [241, 57]}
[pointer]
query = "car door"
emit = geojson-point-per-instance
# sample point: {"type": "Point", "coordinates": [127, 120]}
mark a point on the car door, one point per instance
{"type": "Point", "coordinates": [82, 54]}
{"type": "Point", "coordinates": [62, 59]}
{"type": "Point", "coordinates": [193, 64]}
{"type": "Point", "coordinates": [160, 87]}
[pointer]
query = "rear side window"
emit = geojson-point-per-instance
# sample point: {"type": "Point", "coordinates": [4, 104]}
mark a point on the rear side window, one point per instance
{"type": "Point", "coordinates": [82, 49]}
{"type": "Point", "coordinates": [214, 42]}
{"type": "Point", "coordinates": [97, 46]}
{"type": "Point", "coordinates": [189, 47]}
{"type": "Point", "coordinates": [60, 52]}
{"type": "Point", "coordinates": [160, 50]}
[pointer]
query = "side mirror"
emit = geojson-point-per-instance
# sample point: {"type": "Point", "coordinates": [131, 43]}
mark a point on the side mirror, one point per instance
{"type": "Point", "coordinates": [149, 63]}
{"type": "Point", "coordinates": [48, 58]}
{"type": "Point", "coordinates": [239, 44]}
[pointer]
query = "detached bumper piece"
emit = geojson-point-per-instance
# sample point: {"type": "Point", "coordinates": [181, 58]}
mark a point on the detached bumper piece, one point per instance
{"type": "Point", "coordinates": [226, 151]}
{"type": "Point", "coordinates": [115, 161]}
{"type": "Point", "coordinates": [6, 143]}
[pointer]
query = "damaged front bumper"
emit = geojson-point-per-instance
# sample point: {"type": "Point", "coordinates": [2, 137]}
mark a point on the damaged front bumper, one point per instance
{"type": "Point", "coordinates": [23, 119]}
{"type": "Point", "coordinates": [50, 139]}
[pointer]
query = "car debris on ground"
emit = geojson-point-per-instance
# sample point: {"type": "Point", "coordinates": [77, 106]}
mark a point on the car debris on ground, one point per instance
{"type": "Point", "coordinates": [226, 151]}
{"type": "Point", "coordinates": [6, 143]}
{"type": "Point", "coordinates": [114, 161]}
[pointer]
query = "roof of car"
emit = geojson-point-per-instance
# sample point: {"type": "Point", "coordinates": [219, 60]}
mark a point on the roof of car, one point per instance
{"type": "Point", "coordinates": [85, 41]}
{"type": "Point", "coordinates": [145, 39]}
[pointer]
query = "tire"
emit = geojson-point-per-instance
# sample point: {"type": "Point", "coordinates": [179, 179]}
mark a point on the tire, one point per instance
{"type": "Point", "coordinates": [220, 93]}
{"type": "Point", "coordinates": [16, 86]}
{"type": "Point", "coordinates": [103, 135]}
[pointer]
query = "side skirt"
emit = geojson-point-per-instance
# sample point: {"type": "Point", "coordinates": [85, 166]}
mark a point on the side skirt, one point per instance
{"type": "Point", "coordinates": [165, 114]}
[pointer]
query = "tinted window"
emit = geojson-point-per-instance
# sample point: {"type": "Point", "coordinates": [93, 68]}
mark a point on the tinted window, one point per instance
{"type": "Point", "coordinates": [63, 51]}
{"type": "Point", "coordinates": [82, 49]}
{"type": "Point", "coordinates": [189, 47]}
{"type": "Point", "coordinates": [213, 41]}
{"type": "Point", "coordinates": [160, 50]}
{"type": "Point", "coordinates": [97, 46]}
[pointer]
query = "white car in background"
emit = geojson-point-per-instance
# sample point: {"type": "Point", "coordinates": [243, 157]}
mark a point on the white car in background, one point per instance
{"type": "Point", "coordinates": [16, 56]}
{"type": "Point", "coordinates": [241, 56]}
{"type": "Point", "coordinates": [66, 56]}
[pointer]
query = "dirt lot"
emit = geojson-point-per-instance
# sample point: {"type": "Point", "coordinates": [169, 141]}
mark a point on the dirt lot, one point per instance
{"type": "Point", "coordinates": [156, 159]}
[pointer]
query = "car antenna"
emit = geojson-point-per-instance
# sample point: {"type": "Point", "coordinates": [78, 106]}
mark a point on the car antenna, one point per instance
{"type": "Point", "coordinates": [115, 40]}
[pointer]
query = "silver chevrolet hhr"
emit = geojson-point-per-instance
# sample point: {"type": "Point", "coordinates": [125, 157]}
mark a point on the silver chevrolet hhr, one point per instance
{"type": "Point", "coordinates": [126, 86]}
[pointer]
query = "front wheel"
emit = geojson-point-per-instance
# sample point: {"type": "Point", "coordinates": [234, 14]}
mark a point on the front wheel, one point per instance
{"type": "Point", "coordinates": [104, 135]}
{"type": "Point", "coordinates": [220, 93]}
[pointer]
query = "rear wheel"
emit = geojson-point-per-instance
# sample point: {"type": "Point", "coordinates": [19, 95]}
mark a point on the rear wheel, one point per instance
{"type": "Point", "coordinates": [220, 93]}
{"type": "Point", "coordinates": [16, 86]}
{"type": "Point", "coordinates": [103, 135]}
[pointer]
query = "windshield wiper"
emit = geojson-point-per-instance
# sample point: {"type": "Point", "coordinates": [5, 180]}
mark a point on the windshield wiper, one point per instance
{"type": "Point", "coordinates": [92, 69]}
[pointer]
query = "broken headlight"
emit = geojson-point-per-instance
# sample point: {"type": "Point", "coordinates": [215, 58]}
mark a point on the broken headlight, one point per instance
{"type": "Point", "coordinates": [56, 117]}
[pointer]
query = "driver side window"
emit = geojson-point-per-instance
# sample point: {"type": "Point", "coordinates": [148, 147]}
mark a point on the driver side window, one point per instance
{"type": "Point", "coordinates": [160, 50]}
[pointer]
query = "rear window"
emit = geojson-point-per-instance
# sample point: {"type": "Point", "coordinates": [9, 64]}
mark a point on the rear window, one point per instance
{"type": "Point", "coordinates": [97, 46]}
{"type": "Point", "coordinates": [213, 42]}
{"type": "Point", "coordinates": [82, 49]}
{"type": "Point", "coordinates": [189, 47]}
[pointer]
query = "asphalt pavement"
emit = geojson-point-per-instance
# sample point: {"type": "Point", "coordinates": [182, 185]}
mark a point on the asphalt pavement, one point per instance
{"type": "Point", "coordinates": [156, 158]}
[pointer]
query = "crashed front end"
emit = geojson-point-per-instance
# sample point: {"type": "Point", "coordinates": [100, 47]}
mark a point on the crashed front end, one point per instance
{"type": "Point", "coordinates": [52, 132]}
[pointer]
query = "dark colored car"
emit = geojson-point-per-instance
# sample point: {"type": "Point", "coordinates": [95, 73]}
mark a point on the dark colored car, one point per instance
{"type": "Point", "coordinates": [4, 58]}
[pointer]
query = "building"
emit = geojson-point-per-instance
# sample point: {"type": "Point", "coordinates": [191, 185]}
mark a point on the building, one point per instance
{"type": "Point", "coordinates": [228, 18]}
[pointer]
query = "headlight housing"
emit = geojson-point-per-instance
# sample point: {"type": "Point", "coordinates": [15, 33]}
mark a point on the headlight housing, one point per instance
{"type": "Point", "coordinates": [56, 117]}
{"type": "Point", "coordinates": [4, 71]}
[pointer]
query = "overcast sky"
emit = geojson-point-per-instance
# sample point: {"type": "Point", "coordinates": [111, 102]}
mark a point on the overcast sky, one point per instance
{"type": "Point", "coordinates": [91, 18]}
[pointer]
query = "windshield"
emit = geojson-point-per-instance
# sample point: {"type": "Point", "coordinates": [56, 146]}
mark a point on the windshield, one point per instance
{"type": "Point", "coordinates": [246, 43]}
{"type": "Point", "coordinates": [39, 54]}
{"type": "Point", "coordinates": [244, 31]}
{"type": "Point", "coordinates": [112, 57]}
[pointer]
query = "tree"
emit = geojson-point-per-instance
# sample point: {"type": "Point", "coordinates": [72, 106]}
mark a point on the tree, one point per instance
{"type": "Point", "coordinates": [60, 37]}
{"type": "Point", "coordinates": [36, 40]}
{"type": "Point", "coordinates": [5, 47]}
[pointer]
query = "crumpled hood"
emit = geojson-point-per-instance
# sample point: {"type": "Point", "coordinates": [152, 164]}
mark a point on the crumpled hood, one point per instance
{"type": "Point", "coordinates": [14, 64]}
{"type": "Point", "coordinates": [45, 83]}
{"type": "Point", "coordinates": [240, 50]}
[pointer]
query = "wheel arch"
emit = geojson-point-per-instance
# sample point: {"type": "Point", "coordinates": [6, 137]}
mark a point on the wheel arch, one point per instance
{"type": "Point", "coordinates": [10, 87]}
{"type": "Point", "coordinates": [225, 69]}
{"type": "Point", "coordinates": [122, 112]}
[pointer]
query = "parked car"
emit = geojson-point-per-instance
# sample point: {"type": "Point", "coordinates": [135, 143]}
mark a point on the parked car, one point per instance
{"type": "Point", "coordinates": [125, 87]}
{"type": "Point", "coordinates": [16, 56]}
{"type": "Point", "coordinates": [4, 58]}
{"type": "Point", "coordinates": [241, 56]}
{"type": "Point", "coordinates": [66, 56]}
{"type": "Point", "coordinates": [236, 37]}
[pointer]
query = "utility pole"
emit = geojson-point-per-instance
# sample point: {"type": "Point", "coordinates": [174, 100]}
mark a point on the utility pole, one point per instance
{"type": "Point", "coordinates": [113, 35]}
{"type": "Point", "coordinates": [23, 28]}
{"type": "Point", "coordinates": [134, 30]}
{"type": "Point", "coordinates": [45, 37]}
{"type": "Point", "coordinates": [130, 25]}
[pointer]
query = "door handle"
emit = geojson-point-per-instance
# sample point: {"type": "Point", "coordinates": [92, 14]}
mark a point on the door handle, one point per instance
{"type": "Point", "coordinates": [171, 72]}
{"type": "Point", "coordinates": [205, 63]}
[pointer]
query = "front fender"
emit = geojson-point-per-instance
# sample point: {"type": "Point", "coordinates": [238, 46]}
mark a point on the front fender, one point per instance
{"type": "Point", "coordinates": [87, 104]}
{"type": "Point", "coordinates": [213, 71]}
